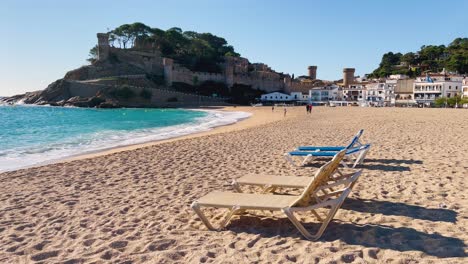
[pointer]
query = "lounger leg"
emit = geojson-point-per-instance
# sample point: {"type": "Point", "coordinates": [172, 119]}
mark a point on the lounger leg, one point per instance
{"type": "Point", "coordinates": [363, 156]}
{"type": "Point", "coordinates": [196, 207]}
{"type": "Point", "coordinates": [289, 159]}
{"type": "Point", "coordinates": [229, 215]}
{"type": "Point", "coordinates": [289, 212]}
{"type": "Point", "coordinates": [298, 225]}
{"type": "Point", "coordinates": [344, 163]}
{"type": "Point", "coordinates": [307, 159]}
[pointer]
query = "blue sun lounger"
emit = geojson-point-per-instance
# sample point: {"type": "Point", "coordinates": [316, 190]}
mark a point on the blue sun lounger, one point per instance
{"type": "Point", "coordinates": [355, 155]}
{"type": "Point", "coordinates": [354, 142]}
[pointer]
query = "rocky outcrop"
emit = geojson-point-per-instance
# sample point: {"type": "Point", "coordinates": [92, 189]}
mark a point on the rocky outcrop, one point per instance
{"type": "Point", "coordinates": [67, 93]}
{"type": "Point", "coordinates": [122, 80]}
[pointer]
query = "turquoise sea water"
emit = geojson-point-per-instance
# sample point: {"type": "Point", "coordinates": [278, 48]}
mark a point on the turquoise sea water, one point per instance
{"type": "Point", "coordinates": [35, 134]}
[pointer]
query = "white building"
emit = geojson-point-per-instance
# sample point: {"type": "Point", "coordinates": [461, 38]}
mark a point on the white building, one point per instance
{"type": "Point", "coordinates": [427, 89]}
{"type": "Point", "coordinates": [465, 88]}
{"type": "Point", "coordinates": [282, 97]}
{"type": "Point", "coordinates": [381, 93]}
{"type": "Point", "coordinates": [355, 92]}
{"type": "Point", "coordinates": [325, 94]}
{"type": "Point", "coordinates": [298, 96]}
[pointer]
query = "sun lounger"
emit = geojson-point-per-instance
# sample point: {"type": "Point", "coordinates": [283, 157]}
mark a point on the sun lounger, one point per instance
{"type": "Point", "coordinates": [354, 142]}
{"type": "Point", "coordinates": [355, 155]}
{"type": "Point", "coordinates": [311, 199]}
{"type": "Point", "coordinates": [271, 183]}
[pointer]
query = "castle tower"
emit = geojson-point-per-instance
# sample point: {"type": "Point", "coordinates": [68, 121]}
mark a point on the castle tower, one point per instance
{"type": "Point", "coordinates": [312, 72]}
{"type": "Point", "coordinates": [103, 46]}
{"type": "Point", "coordinates": [348, 76]}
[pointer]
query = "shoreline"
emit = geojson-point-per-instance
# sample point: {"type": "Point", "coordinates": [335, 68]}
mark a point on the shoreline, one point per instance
{"type": "Point", "coordinates": [249, 121]}
{"type": "Point", "coordinates": [256, 118]}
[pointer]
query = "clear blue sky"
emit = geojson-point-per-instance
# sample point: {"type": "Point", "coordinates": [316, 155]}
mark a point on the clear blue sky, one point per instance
{"type": "Point", "coordinates": [42, 40]}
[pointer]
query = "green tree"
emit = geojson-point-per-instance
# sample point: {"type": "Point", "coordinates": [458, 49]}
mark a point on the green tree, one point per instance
{"type": "Point", "coordinates": [409, 58]}
{"type": "Point", "coordinates": [93, 54]}
{"type": "Point", "coordinates": [454, 57]}
{"type": "Point", "coordinates": [196, 51]}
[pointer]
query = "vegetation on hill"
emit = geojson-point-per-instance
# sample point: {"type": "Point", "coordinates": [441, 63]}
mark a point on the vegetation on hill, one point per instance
{"type": "Point", "coordinates": [196, 51]}
{"type": "Point", "coordinates": [454, 57]}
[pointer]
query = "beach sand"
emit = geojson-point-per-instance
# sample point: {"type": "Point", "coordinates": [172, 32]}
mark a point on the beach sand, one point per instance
{"type": "Point", "coordinates": [133, 205]}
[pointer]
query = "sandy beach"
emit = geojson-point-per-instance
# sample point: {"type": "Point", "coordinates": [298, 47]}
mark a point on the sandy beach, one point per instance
{"type": "Point", "coordinates": [132, 205]}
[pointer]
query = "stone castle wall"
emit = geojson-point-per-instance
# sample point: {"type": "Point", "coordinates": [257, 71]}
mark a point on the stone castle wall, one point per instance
{"type": "Point", "coordinates": [235, 70]}
{"type": "Point", "coordinates": [182, 74]}
{"type": "Point", "coordinates": [148, 61]}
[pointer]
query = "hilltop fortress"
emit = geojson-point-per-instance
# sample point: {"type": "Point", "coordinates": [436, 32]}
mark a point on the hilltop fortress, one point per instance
{"type": "Point", "coordinates": [235, 70]}
{"type": "Point", "coordinates": [141, 76]}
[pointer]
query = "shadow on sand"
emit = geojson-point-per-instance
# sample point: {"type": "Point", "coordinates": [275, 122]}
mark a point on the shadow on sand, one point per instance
{"type": "Point", "coordinates": [397, 161]}
{"type": "Point", "coordinates": [380, 236]}
{"type": "Point", "coordinates": [381, 167]}
{"type": "Point", "coordinates": [399, 209]}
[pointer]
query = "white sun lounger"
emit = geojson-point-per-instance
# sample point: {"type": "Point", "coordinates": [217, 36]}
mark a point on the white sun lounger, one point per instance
{"type": "Point", "coordinates": [354, 155]}
{"type": "Point", "coordinates": [310, 200]}
{"type": "Point", "coordinates": [354, 143]}
{"type": "Point", "coordinates": [270, 183]}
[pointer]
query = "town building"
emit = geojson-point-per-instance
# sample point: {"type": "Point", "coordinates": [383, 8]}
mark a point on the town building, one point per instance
{"type": "Point", "coordinates": [283, 97]}
{"type": "Point", "coordinates": [325, 94]}
{"type": "Point", "coordinates": [465, 88]}
{"type": "Point", "coordinates": [355, 92]}
{"type": "Point", "coordinates": [381, 93]}
{"type": "Point", "coordinates": [404, 91]}
{"type": "Point", "coordinates": [427, 89]}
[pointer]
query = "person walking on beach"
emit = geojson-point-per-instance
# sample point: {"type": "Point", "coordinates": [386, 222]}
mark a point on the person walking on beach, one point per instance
{"type": "Point", "coordinates": [273, 108]}
{"type": "Point", "coordinates": [307, 108]}
{"type": "Point", "coordinates": [285, 111]}
{"type": "Point", "coordinates": [310, 108]}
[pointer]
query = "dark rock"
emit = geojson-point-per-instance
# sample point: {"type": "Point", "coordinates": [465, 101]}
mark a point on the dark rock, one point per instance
{"type": "Point", "coordinates": [109, 104]}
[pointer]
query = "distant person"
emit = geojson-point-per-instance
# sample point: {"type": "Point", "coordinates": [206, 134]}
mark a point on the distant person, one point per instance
{"type": "Point", "coordinates": [307, 108]}
{"type": "Point", "coordinates": [285, 111]}
{"type": "Point", "coordinates": [310, 108]}
{"type": "Point", "coordinates": [273, 108]}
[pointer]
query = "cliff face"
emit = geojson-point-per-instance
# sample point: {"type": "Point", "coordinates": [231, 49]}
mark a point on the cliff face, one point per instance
{"type": "Point", "coordinates": [83, 87]}
{"type": "Point", "coordinates": [103, 85]}
{"type": "Point", "coordinates": [62, 93]}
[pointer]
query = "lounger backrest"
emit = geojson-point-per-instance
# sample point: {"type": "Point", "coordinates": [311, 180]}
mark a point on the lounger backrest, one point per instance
{"type": "Point", "coordinates": [355, 139]}
{"type": "Point", "coordinates": [321, 177]}
{"type": "Point", "coordinates": [357, 149]}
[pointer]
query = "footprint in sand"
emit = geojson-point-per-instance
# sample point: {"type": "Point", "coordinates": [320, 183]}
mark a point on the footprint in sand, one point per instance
{"type": "Point", "coordinates": [45, 255]}
{"type": "Point", "coordinates": [162, 244]}
{"type": "Point", "coordinates": [118, 244]}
